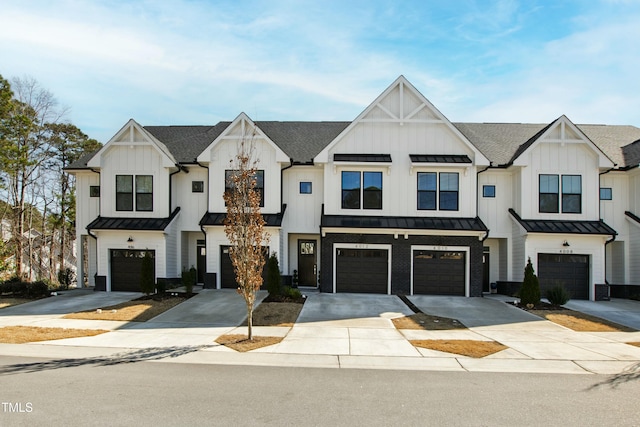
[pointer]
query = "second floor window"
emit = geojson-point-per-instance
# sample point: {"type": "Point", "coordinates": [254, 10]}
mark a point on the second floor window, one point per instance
{"type": "Point", "coordinates": [228, 183]}
{"type": "Point", "coordinates": [444, 198]}
{"type": "Point", "coordinates": [361, 189]}
{"type": "Point", "coordinates": [143, 193]}
{"type": "Point", "coordinates": [550, 200]}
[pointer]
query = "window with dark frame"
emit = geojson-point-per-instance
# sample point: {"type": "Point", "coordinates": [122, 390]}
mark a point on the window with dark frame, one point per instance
{"type": "Point", "coordinates": [549, 193]}
{"type": "Point", "coordinates": [228, 183]}
{"type": "Point", "coordinates": [305, 187]}
{"type": "Point", "coordinates": [372, 190]}
{"type": "Point", "coordinates": [350, 190]}
{"type": "Point", "coordinates": [124, 192]}
{"type": "Point", "coordinates": [94, 191]}
{"type": "Point", "coordinates": [606, 193]}
{"type": "Point", "coordinates": [571, 194]}
{"type": "Point", "coordinates": [427, 188]}
{"type": "Point", "coordinates": [489, 191]}
{"type": "Point", "coordinates": [560, 193]}
{"type": "Point", "coordinates": [448, 191]}
{"type": "Point", "coordinates": [197, 186]}
{"type": "Point", "coordinates": [144, 193]}
{"type": "Point", "coordinates": [361, 189]}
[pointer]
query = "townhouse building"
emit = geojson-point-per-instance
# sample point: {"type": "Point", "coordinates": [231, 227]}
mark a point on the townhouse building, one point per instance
{"type": "Point", "coordinates": [399, 200]}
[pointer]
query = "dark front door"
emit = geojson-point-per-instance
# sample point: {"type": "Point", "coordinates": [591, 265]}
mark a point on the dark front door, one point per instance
{"type": "Point", "coordinates": [307, 263]}
{"type": "Point", "coordinates": [485, 273]}
{"type": "Point", "coordinates": [201, 260]}
{"type": "Point", "coordinates": [126, 269]}
{"type": "Point", "coordinates": [228, 275]}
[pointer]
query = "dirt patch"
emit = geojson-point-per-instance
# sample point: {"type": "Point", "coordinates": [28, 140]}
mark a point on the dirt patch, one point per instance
{"type": "Point", "coordinates": [10, 301]}
{"type": "Point", "coordinates": [25, 334]}
{"type": "Point", "coordinates": [426, 322]}
{"type": "Point", "coordinates": [242, 344]}
{"type": "Point", "coordinates": [137, 310]}
{"type": "Point", "coordinates": [469, 348]}
{"type": "Point", "coordinates": [637, 344]}
{"type": "Point", "coordinates": [276, 314]}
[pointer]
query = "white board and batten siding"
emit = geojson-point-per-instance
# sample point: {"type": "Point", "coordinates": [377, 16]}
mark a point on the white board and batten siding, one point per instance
{"type": "Point", "coordinates": [553, 158]}
{"type": "Point", "coordinates": [134, 160]}
{"type": "Point", "coordinates": [399, 178]}
{"type": "Point", "coordinates": [193, 206]}
{"type": "Point", "coordinates": [494, 211]}
{"type": "Point", "coordinates": [113, 239]}
{"type": "Point", "coordinates": [303, 210]}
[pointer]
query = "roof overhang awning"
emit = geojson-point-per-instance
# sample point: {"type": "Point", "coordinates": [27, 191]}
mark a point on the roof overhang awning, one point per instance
{"type": "Point", "coordinates": [216, 219]}
{"type": "Point", "coordinates": [132, 224]}
{"type": "Point", "coordinates": [564, 226]}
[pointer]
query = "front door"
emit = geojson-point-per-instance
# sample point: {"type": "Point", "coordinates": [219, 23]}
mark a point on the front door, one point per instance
{"type": "Point", "coordinates": [486, 286]}
{"type": "Point", "coordinates": [307, 264]}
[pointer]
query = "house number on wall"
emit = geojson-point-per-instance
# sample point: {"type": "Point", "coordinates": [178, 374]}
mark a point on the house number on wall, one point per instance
{"type": "Point", "coordinates": [566, 251]}
{"type": "Point", "coordinates": [362, 246]}
{"type": "Point", "coordinates": [440, 248]}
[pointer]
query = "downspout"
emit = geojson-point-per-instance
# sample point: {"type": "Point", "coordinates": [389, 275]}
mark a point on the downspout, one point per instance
{"type": "Point", "coordinates": [180, 169]}
{"type": "Point", "coordinates": [478, 189]}
{"type": "Point", "coordinates": [99, 198]}
{"type": "Point", "coordinates": [282, 181]}
{"type": "Point", "coordinates": [204, 233]}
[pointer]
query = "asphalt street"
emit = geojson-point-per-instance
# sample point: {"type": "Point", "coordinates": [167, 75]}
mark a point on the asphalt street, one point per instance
{"type": "Point", "coordinates": [99, 391]}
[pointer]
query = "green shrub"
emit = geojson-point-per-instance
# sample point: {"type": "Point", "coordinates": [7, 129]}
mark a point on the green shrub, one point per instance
{"type": "Point", "coordinates": [36, 289]}
{"type": "Point", "coordinates": [558, 295]}
{"type": "Point", "coordinates": [66, 277]}
{"type": "Point", "coordinates": [274, 279]}
{"type": "Point", "coordinates": [530, 290]}
{"type": "Point", "coordinates": [189, 278]}
{"type": "Point", "coordinates": [293, 293]}
{"type": "Point", "coordinates": [147, 281]}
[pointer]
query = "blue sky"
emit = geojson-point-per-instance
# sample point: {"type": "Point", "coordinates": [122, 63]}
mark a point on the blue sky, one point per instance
{"type": "Point", "coordinates": [199, 62]}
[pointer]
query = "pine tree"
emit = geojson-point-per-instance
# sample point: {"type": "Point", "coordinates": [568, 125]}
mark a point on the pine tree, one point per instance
{"type": "Point", "coordinates": [530, 291]}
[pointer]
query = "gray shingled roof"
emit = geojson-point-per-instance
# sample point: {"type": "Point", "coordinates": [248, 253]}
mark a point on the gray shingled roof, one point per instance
{"type": "Point", "coordinates": [302, 141]}
{"type": "Point", "coordinates": [501, 143]}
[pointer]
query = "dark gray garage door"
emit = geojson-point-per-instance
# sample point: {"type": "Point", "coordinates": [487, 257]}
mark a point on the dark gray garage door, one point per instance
{"type": "Point", "coordinates": [126, 268]}
{"type": "Point", "coordinates": [362, 270]}
{"type": "Point", "coordinates": [438, 272]}
{"type": "Point", "coordinates": [228, 275]}
{"type": "Point", "coordinates": [570, 271]}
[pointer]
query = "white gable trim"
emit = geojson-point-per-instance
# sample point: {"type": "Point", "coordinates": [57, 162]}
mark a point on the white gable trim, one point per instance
{"type": "Point", "coordinates": [565, 125]}
{"type": "Point", "coordinates": [126, 136]}
{"type": "Point", "coordinates": [402, 118]}
{"type": "Point", "coordinates": [247, 128]}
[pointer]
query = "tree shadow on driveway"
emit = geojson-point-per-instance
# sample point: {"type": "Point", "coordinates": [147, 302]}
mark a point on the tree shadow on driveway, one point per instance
{"type": "Point", "coordinates": [134, 356]}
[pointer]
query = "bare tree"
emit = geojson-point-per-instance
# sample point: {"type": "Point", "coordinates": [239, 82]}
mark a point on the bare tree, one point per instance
{"type": "Point", "coordinates": [244, 225]}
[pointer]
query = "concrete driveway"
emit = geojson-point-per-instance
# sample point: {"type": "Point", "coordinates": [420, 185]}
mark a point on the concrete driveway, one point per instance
{"type": "Point", "coordinates": [68, 302]}
{"type": "Point", "coordinates": [622, 311]}
{"type": "Point", "coordinates": [474, 312]}
{"type": "Point", "coordinates": [362, 310]}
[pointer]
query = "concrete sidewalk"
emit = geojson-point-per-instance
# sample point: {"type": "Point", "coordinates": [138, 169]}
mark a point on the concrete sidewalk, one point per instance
{"type": "Point", "coordinates": [340, 331]}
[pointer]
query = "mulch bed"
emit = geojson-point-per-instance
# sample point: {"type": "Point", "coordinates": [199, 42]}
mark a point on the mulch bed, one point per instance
{"type": "Point", "coordinates": [26, 334]}
{"type": "Point", "coordinates": [242, 344]}
{"type": "Point", "coordinates": [469, 348]}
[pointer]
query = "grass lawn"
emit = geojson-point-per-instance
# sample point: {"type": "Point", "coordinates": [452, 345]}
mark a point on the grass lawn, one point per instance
{"type": "Point", "coordinates": [25, 334]}
{"type": "Point", "coordinates": [138, 310]}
